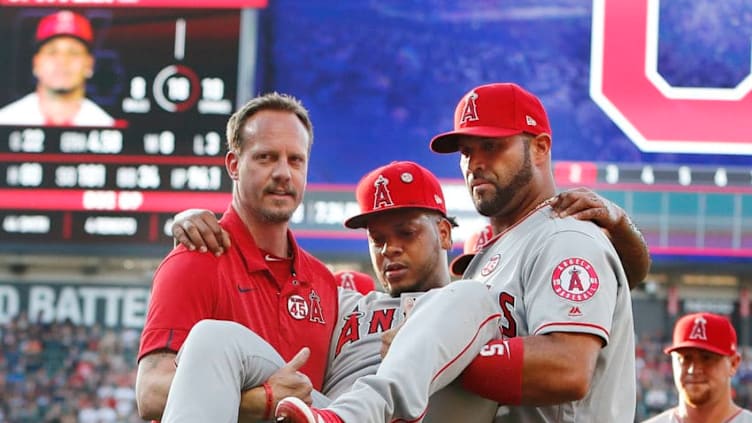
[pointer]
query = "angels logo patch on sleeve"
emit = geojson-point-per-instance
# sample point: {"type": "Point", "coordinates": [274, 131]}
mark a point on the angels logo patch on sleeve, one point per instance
{"type": "Point", "coordinates": [575, 279]}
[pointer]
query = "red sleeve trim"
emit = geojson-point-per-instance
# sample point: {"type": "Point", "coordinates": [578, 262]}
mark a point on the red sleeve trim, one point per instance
{"type": "Point", "coordinates": [603, 332]}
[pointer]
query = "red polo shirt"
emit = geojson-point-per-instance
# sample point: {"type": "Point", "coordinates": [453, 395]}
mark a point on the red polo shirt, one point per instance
{"type": "Point", "coordinates": [239, 286]}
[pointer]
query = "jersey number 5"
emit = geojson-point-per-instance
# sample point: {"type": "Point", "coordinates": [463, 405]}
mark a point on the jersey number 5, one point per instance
{"type": "Point", "coordinates": [506, 302]}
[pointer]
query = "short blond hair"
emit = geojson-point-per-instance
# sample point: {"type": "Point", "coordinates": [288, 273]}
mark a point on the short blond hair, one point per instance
{"type": "Point", "coordinates": [270, 101]}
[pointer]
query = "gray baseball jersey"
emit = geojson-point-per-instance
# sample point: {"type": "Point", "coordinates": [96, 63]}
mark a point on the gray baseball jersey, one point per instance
{"type": "Point", "coordinates": [563, 275]}
{"type": "Point", "coordinates": [355, 346]}
{"type": "Point", "coordinates": [672, 416]}
{"type": "Point", "coordinates": [355, 352]}
{"type": "Point", "coordinates": [446, 330]}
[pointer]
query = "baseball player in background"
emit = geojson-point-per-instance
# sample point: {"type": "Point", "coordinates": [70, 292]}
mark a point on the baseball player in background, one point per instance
{"type": "Point", "coordinates": [414, 259]}
{"type": "Point", "coordinates": [62, 64]}
{"type": "Point", "coordinates": [472, 245]}
{"type": "Point", "coordinates": [355, 281]}
{"type": "Point", "coordinates": [561, 305]}
{"type": "Point", "coordinates": [704, 360]}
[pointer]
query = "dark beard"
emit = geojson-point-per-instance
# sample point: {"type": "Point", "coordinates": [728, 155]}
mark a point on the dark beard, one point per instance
{"type": "Point", "coordinates": [505, 195]}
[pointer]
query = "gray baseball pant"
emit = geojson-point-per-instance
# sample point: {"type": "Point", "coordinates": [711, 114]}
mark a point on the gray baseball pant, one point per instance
{"type": "Point", "coordinates": [445, 331]}
{"type": "Point", "coordinates": [218, 361]}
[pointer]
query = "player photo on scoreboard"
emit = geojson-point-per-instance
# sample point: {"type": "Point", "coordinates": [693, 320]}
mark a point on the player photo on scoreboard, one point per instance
{"type": "Point", "coordinates": [92, 67]}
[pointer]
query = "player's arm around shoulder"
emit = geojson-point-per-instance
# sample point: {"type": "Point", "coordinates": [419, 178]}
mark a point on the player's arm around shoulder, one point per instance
{"type": "Point", "coordinates": [584, 204]}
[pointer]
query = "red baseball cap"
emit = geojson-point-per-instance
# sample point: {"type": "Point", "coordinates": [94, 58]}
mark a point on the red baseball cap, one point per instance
{"type": "Point", "coordinates": [492, 111]}
{"type": "Point", "coordinates": [395, 186]}
{"type": "Point", "coordinates": [706, 331]}
{"type": "Point", "coordinates": [356, 281]}
{"type": "Point", "coordinates": [67, 23]}
{"type": "Point", "coordinates": [473, 244]}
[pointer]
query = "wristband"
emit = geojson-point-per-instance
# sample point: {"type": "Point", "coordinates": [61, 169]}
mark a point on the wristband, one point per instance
{"type": "Point", "coordinates": [496, 373]}
{"type": "Point", "coordinates": [269, 401]}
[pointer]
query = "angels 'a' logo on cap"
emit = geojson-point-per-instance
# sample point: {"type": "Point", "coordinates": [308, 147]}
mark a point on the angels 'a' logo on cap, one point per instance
{"type": "Point", "coordinates": [381, 196]}
{"type": "Point", "coordinates": [699, 329]}
{"type": "Point", "coordinates": [470, 112]}
{"type": "Point", "coordinates": [347, 280]}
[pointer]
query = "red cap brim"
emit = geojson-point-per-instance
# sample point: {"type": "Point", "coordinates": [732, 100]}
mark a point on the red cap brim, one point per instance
{"type": "Point", "coordinates": [361, 220]}
{"type": "Point", "coordinates": [86, 43]}
{"type": "Point", "coordinates": [447, 142]}
{"type": "Point", "coordinates": [699, 345]}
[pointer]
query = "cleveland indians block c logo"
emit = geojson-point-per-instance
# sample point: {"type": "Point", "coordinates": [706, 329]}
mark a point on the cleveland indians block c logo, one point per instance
{"type": "Point", "coordinates": [657, 117]}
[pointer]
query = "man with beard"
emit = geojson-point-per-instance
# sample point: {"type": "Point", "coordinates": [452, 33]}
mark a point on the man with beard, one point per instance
{"type": "Point", "coordinates": [704, 359]}
{"type": "Point", "coordinates": [62, 64]}
{"type": "Point", "coordinates": [560, 326]}
{"type": "Point", "coordinates": [265, 282]}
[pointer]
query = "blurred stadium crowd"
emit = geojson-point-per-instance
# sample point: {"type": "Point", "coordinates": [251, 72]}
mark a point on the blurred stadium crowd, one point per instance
{"type": "Point", "coordinates": [63, 373]}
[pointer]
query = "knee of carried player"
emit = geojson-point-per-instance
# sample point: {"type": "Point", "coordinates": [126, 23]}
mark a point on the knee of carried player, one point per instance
{"type": "Point", "coordinates": [214, 334]}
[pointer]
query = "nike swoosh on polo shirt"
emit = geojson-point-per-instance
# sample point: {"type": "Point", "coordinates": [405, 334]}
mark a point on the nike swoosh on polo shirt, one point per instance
{"type": "Point", "coordinates": [244, 290]}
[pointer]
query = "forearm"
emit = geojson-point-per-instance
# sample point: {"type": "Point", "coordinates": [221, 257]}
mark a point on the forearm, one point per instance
{"type": "Point", "coordinates": [632, 249]}
{"type": "Point", "coordinates": [153, 380]}
{"type": "Point", "coordinates": [152, 398]}
{"type": "Point", "coordinates": [253, 405]}
{"type": "Point", "coordinates": [539, 370]}
{"type": "Point", "coordinates": [584, 204]}
{"type": "Point", "coordinates": [553, 373]}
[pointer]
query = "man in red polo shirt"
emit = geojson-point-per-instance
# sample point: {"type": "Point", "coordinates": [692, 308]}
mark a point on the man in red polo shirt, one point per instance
{"type": "Point", "coordinates": [264, 282]}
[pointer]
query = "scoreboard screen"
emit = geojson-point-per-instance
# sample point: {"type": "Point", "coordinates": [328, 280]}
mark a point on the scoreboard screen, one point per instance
{"type": "Point", "coordinates": [169, 77]}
